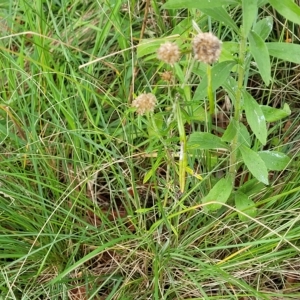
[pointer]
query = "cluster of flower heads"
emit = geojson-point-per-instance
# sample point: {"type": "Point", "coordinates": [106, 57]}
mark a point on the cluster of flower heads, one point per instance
{"type": "Point", "coordinates": [206, 48]}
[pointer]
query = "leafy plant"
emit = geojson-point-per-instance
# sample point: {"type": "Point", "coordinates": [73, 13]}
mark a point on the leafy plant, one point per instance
{"type": "Point", "coordinates": [251, 53]}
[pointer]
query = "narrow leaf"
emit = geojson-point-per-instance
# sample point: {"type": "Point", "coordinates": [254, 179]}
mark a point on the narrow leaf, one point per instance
{"type": "Point", "coordinates": [245, 205]}
{"type": "Point", "coordinates": [288, 9]}
{"type": "Point", "coordinates": [274, 114]}
{"type": "Point", "coordinates": [274, 160]}
{"type": "Point", "coordinates": [205, 140]}
{"type": "Point", "coordinates": [220, 193]}
{"type": "Point", "coordinates": [249, 8]}
{"type": "Point", "coordinates": [255, 118]}
{"type": "Point", "coordinates": [285, 51]}
{"type": "Point", "coordinates": [220, 14]}
{"type": "Point", "coordinates": [219, 73]}
{"type": "Point", "coordinates": [264, 27]}
{"type": "Point", "coordinates": [196, 4]}
{"type": "Point", "coordinates": [152, 171]}
{"type": "Point", "coordinates": [261, 56]}
{"type": "Point", "coordinates": [255, 164]}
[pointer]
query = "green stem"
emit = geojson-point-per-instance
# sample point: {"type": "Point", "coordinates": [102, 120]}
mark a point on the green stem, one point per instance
{"type": "Point", "coordinates": [237, 107]}
{"type": "Point", "coordinates": [211, 102]}
{"type": "Point", "coordinates": [210, 93]}
{"type": "Point", "coordinates": [183, 150]}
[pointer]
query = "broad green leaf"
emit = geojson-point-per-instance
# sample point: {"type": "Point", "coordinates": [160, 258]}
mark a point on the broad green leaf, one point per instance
{"type": "Point", "coordinates": [244, 136]}
{"type": "Point", "coordinates": [220, 193]}
{"type": "Point", "coordinates": [245, 205]}
{"type": "Point", "coordinates": [198, 114]}
{"type": "Point", "coordinates": [229, 50]}
{"type": "Point", "coordinates": [173, 4]}
{"type": "Point", "coordinates": [274, 114]}
{"type": "Point", "coordinates": [285, 51]}
{"type": "Point", "coordinates": [230, 85]}
{"type": "Point", "coordinates": [261, 56]}
{"type": "Point", "coordinates": [156, 130]}
{"type": "Point", "coordinates": [150, 46]}
{"type": "Point", "coordinates": [255, 164]}
{"type": "Point", "coordinates": [249, 8]}
{"type": "Point", "coordinates": [220, 14]}
{"type": "Point", "coordinates": [251, 187]}
{"type": "Point", "coordinates": [288, 9]}
{"type": "Point", "coordinates": [264, 27]}
{"type": "Point", "coordinates": [262, 2]}
{"type": "Point", "coordinates": [255, 118]}
{"type": "Point", "coordinates": [230, 131]}
{"type": "Point", "coordinates": [274, 160]}
{"type": "Point", "coordinates": [205, 140]}
{"type": "Point", "coordinates": [183, 28]}
{"type": "Point", "coordinates": [219, 74]}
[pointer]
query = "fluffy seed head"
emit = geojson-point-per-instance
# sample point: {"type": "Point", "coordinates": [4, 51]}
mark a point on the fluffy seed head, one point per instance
{"type": "Point", "coordinates": [167, 76]}
{"type": "Point", "coordinates": [144, 103]}
{"type": "Point", "coordinates": [207, 47]}
{"type": "Point", "coordinates": [168, 53]}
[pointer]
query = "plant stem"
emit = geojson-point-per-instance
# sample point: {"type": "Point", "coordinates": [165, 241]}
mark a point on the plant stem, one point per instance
{"type": "Point", "coordinates": [211, 101]}
{"type": "Point", "coordinates": [237, 107]}
{"type": "Point", "coordinates": [210, 93]}
{"type": "Point", "coordinates": [183, 150]}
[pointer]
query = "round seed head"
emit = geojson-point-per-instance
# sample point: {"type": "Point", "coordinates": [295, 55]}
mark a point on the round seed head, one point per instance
{"type": "Point", "coordinates": [168, 53]}
{"type": "Point", "coordinates": [144, 103]}
{"type": "Point", "coordinates": [207, 47]}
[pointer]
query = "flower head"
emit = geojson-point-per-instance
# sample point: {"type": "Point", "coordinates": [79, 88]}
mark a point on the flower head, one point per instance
{"type": "Point", "coordinates": [144, 103]}
{"type": "Point", "coordinates": [167, 76]}
{"type": "Point", "coordinates": [168, 53]}
{"type": "Point", "coordinates": [207, 47]}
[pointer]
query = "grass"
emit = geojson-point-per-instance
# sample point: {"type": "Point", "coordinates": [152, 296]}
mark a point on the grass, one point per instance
{"type": "Point", "coordinates": [77, 221]}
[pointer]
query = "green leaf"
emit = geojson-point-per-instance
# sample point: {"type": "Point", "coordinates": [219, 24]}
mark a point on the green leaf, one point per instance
{"type": "Point", "coordinates": [255, 164]}
{"type": "Point", "coordinates": [205, 140]}
{"type": "Point", "coordinates": [245, 205]}
{"type": "Point", "coordinates": [152, 171]}
{"type": "Point", "coordinates": [82, 261]}
{"type": "Point", "coordinates": [274, 114]}
{"type": "Point", "coordinates": [198, 113]}
{"type": "Point", "coordinates": [274, 160]}
{"type": "Point", "coordinates": [261, 56]}
{"type": "Point", "coordinates": [249, 8]}
{"type": "Point", "coordinates": [230, 131]}
{"type": "Point", "coordinates": [255, 118]}
{"type": "Point", "coordinates": [220, 193]}
{"type": "Point", "coordinates": [219, 74]}
{"type": "Point", "coordinates": [150, 46]}
{"type": "Point", "coordinates": [264, 27]}
{"type": "Point", "coordinates": [288, 9]}
{"type": "Point", "coordinates": [220, 14]}
{"type": "Point", "coordinates": [262, 2]}
{"type": "Point", "coordinates": [229, 50]}
{"type": "Point", "coordinates": [251, 187]}
{"type": "Point", "coordinates": [173, 4]}
{"type": "Point", "coordinates": [244, 136]}
{"type": "Point", "coordinates": [156, 131]}
{"type": "Point", "coordinates": [285, 51]}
